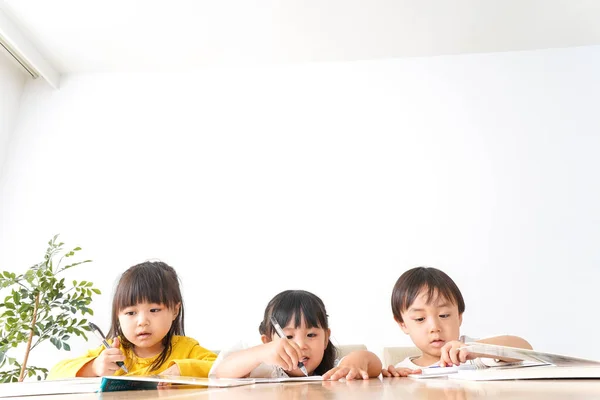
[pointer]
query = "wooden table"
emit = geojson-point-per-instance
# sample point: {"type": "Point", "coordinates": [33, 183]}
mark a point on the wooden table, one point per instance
{"type": "Point", "coordinates": [388, 388]}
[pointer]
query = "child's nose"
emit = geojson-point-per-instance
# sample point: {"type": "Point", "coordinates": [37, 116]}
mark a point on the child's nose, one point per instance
{"type": "Point", "coordinates": [142, 319]}
{"type": "Point", "coordinates": [302, 343]}
{"type": "Point", "coordinates": [435, 325]}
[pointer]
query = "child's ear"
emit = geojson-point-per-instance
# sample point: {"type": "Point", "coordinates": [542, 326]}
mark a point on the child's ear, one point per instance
{"type": "Point", "coordinates": [264, 339]}
{"type": "Point", "coordinates": [459, 319]}
{"type": "Point", "coordinates": [327, 335]}
{"type": "Point", "coordinates": [402, 325]}
{"type": "Point", "coordinates": [176, 310]}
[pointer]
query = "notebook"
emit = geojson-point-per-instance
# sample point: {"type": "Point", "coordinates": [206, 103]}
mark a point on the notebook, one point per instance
{"type": "Point", "coordinates": [148, 382]}
{"type": "Point", "coordinates": [121, 383]}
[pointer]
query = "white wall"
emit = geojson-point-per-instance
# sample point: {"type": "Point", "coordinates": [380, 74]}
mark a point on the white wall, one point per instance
{"type": "Point", "coordinates": [333, 178]}
{"type": "Point", "coordinates": [12, 82]}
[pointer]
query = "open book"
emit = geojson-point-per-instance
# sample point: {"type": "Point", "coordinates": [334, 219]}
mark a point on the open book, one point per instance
{"type": "Point", "coordinates": [547, 372]}
{"type": "Point", "coordinates": [537, 362]}
{"type": "Point", "coordinates": [58, 386]}
{"type": "Point", "coordinates": [436, 372]}
{"type": "Point", "coordinates": [120, 383]}
{"type": "Point", "coordinates": [505, 352]}
{"type": "Point", "coordinates": [147, 382]}
{"type": "Point", "coordinates": [557, 366]}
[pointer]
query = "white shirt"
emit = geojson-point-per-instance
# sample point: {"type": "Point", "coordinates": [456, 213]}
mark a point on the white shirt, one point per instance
{"type": "Point", "coordinates": [408, 363]}
{"type": "Point", "coordinates": [262, 371]}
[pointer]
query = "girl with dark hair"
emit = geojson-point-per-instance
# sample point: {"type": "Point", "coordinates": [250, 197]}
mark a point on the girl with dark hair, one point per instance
{"type": "Point", "coordinates": [146, 331]}
{"type": "Point", "coordinates": [303, 317]}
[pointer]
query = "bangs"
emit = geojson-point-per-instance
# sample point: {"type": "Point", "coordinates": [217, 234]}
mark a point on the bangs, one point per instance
{"type": "Point", "coordinates": [437, 286]}
{"type": "Point", "coordinates": [146, 287]}
{"type": "Point", "coordinates": [298, 307]}
{"type": "Point", "coordinates": [434, 295]}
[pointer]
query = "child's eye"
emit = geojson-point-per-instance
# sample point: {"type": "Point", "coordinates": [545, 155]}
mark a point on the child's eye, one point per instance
{"type": "Point", "coordinates": [444, 315]}
{"type": "Point", "coordinates": [129, 312]}
{"type": "Point", "coordinates": [312, 335]}
{"type": "Point", "coordinates": [155, 310]}
{"type": "Point", "coordinates": [419, 319]}
{"type": "Point", "coordinates": [289, 337]}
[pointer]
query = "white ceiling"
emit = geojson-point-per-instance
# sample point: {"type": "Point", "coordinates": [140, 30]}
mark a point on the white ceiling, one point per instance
{"type": "Point", "coordinates": [167, 35]}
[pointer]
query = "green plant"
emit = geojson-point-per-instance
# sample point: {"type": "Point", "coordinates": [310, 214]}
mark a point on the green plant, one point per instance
{"type": "Point", "coordinates": [41, 307]}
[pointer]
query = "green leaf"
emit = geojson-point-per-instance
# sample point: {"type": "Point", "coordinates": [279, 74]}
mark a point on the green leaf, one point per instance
{"type": "Point", "coordinates": [57, 310]}
{"type": "Point", "coordinates": [55, 342]}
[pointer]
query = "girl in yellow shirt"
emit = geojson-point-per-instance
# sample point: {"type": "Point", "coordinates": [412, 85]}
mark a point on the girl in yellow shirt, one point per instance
{"type": "Point", "coordinates": [146, 332]}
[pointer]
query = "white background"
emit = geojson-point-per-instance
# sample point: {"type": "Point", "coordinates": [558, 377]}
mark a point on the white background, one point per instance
{"type": "Point", "coordinates": [329, 177]}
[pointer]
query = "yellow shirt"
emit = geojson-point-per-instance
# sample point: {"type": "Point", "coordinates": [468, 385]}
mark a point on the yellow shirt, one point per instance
{"type": "Point", "coordinates": [190, 357]}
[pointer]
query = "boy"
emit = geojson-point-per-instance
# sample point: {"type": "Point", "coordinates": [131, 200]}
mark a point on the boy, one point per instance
{"type": "Point", "coordinates": [428, 306]}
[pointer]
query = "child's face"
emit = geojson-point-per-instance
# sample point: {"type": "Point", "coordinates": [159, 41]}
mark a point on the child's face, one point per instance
{"type": "Point", "coordinates": [431, 325]}
{"type": "Point", "coordinates": [145, 325]}
{"type": "Point", "coordinates": [312, 343]}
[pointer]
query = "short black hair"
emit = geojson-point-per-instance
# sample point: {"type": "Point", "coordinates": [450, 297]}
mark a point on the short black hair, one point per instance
{"type": "Point", "coordinates": [413, 281]}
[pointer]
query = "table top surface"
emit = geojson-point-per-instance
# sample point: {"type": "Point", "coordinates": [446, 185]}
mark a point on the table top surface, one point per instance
{"type": "Point", "coordinates": [386, 388]}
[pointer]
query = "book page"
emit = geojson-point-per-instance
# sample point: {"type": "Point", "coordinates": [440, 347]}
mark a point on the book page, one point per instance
{"type": "Point", "coordinates": [546, 372]}
{"type": "Point", "coordinates": [58, 386]}
{"type": "Point", "coordinates": [494, 351]}
{"type": "Point", "coordinates": [146, 382]}
{"type": "Point", "coordinates": [434, 372]}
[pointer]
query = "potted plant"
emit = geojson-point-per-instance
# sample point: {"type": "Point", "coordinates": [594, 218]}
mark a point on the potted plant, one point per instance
{"type": "Point", "coordinates": [38, 306]}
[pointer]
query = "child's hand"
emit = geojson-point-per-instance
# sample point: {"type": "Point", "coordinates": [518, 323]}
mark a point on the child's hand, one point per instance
{"type": "Point", "coordinates": [283, 352]}
{"type": "Point", "coordinates": [454, 354]}
{"type": "Point", "coordinates": [392, 371]}
{"type": "Point", "coordinates": [173, 370]}
{"type": "Point", "coordinates": [105, 363]}
{"type": "Point", "coordinates": [348, 371]}
{"type": "Point", "coordinates": [360, 364]}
